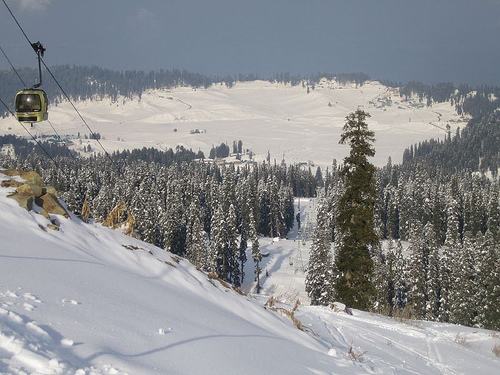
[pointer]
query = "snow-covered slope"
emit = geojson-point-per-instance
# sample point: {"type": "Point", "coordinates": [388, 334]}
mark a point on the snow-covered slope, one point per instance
{"type": "Point", "coordinates": [89, 300]}
{"type": "Point", "coordinates": [89, 297]}
{"type": "Point", "coordinates": [285, 120]}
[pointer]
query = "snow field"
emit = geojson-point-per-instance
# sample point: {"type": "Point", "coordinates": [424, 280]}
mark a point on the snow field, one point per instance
{"type": "Point", "coordinates": [284, 120]}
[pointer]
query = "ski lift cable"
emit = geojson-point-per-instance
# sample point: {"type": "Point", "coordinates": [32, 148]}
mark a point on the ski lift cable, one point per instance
{"type": "Point", "coordinates": [39, 50]}
{"type": "Point", "coordinates": [12, 66]}
{"type": "Point", "coordinates": [20, 78]}
{"type": "Point", "coordinates": [92, 134]}
{"type": "Point", "coordinates": [61, 140]}
{"type": "Point", "coordinates": [18, 24]}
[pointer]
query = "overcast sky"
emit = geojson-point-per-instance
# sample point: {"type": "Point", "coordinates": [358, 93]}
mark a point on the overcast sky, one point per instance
{"type": "Point", "coordinates": [401, 40]}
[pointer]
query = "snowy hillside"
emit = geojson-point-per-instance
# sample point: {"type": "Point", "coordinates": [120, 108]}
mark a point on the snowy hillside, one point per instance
{"type": "Point", "coordinates": [287, 121]}
{"type": "Point", "coordinates": [89, 300]}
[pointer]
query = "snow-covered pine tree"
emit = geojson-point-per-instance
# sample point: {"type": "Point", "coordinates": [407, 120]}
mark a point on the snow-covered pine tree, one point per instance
{"type": "Point", "coordinates": [390, 277]}
{"type": "Point", "coordinates": [75, 195]}
{"type": "Point", "coordinates": [104, 202]}
{"type": "Point", "coordinates": [417, 270]}
{"type": "Point", "coordinates": [380, 280]}
{"type": "Point", "coordinates": [400, 297]}
{"type": "Point", "coordinates": [433, 286]}
{"type": "Point", "coordinates": [287, 208]}
{"type": "Point", "coordinates": [245, 193]}
{"type": "Point", "coordinates": [228, 191]}
{"type": "Point", "coordinates": [320, 275]}
{"type": "Point", "coordinates": [195, 236]}
{"type": "Point", "coordinates": [474, 208]}
{"type": "Point", "coordinates": [265, 219]}
{"type": "Point", "coordinates": [175, 226]}
{"type": "Point", "coordinates": [463, 308]}
{"type": "Point", "coordinates": [233, 274]}
{"type": "Point", "coordinates": [217, 244]}
{"type": "Point", "coordinates": [450, 251]}
{"type": "Point", "coordinates": [256, 255]}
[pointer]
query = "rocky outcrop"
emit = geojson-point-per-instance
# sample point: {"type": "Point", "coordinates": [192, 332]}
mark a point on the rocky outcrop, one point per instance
{"type": "Point", "coordinates": [34, 191]}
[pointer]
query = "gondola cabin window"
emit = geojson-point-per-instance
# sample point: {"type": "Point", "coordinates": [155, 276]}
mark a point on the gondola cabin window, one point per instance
{"type": "Point", "coordinates": [28, 103]}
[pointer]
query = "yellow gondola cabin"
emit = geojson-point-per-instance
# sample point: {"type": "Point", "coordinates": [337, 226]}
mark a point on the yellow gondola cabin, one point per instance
{"type": "Point", "coordinates": [31, 105]}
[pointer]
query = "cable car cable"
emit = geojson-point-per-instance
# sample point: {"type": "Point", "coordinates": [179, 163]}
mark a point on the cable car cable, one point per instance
{"type": "Point", "coordinates": [61, 140]}
{"type": "Point", "coordinates": [93, 135]}
{"type": "Point", "coordinates": [39, 50]}
{"type": "Point", "coordinates": [12, 66]}
{"type": "Point", "coordinates": [55, 131]}
{"type": "Point", "coordinates": [15, 19]}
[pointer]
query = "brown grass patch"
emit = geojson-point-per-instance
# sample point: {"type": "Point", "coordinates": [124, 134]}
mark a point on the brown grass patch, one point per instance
{"type": "Point", "coordinates": [355, 356]}
{"type": "Point", "coordinates": [496, 350]}
{"type": "Point", "coordinates": [271, 302]}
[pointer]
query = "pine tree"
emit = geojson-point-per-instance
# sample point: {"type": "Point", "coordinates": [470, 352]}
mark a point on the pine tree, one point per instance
{"type": "Point", "coordinates": [380, 279]}
{"type": "Point", "coordinates": [195, 237]}
{"type": "Point", "coordinates": [217, 244]}
{"type": "Point", "coordinates": [175, 226]}
{"type": "Point", "coordinates": [354, 287]}
{"type": "Point", "coordinates": [433, 287]}
{"type": "Point", "coordinates": [417, 270]}
{"type": "Point", "coordinates": [232, 252]}
{"type": "Point", "coordinates": [320, 275]}
{"type": "Point", "coordinates": [390, 277]}
{"type": "Point", "coordinates": [265, 219]}
{"type": "Point", "coordinates": [256, 255]}
{"type": "Point", "coordinates": [464, 290]}
{"type": "Point", "coordinates": [399, 299]}
{"type": "Point", "coordinates": [450, 250]}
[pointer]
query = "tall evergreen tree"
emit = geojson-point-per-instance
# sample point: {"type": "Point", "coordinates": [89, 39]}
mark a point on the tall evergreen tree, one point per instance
{"type": "Point", "coordinates": [463, 306]}
{"type": "Point", "coordinates": [320, 276]}
{"type": "Point", "coordinates": [217, 245]}
{"type": "Point", "coordinates": [433, 288]}
{"type": "Point", "coordinates": [233, 264]}
{"type": "Point", "coordinates": [256, 254]}
{"type": "Point", "coordinates": [195, 236]}
{"type": "Point", "coordinates": [450, 250]}
{"type": "Point", "coordinates": [354, 285]}
{"type": "Point", "coordinates": [380, 281]}
{"type": "Point", "coordinates": [417, 267]}
{"type": "Point", "coordinates": [399, 280]}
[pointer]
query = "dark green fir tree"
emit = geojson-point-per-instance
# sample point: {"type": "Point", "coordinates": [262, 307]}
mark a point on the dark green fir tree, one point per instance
{"type": "Point", "coordinates": [355, 220]}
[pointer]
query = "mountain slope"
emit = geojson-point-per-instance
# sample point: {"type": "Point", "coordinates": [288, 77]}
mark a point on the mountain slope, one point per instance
{"type": "Point", "coordinates": [87, 296]}
{"type": "Point", "coordinates": [89, 300]}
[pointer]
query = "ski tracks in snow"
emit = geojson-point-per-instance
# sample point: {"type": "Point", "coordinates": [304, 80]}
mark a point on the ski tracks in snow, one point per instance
{"type": "Point", "coordinates": [378, 349]}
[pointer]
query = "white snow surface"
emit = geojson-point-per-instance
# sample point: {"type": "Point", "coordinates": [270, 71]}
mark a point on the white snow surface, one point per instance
{"type": "Point", "coordinates": [87, 300]}
{"type": "Point", "coordinates": [284, 120]}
